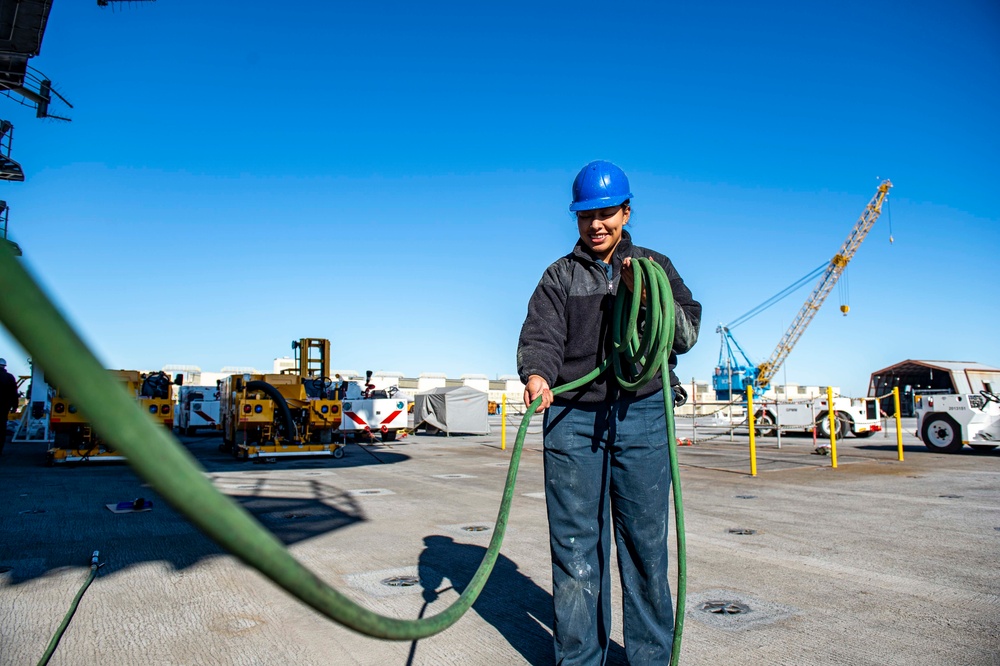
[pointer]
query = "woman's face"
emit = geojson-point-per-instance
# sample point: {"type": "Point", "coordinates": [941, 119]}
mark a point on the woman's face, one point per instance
{"type": "Point", "coordinates": [601, 229]}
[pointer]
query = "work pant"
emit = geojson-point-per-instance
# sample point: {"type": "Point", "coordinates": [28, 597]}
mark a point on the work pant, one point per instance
{"type": "Point", "coordinates": [601, 461]}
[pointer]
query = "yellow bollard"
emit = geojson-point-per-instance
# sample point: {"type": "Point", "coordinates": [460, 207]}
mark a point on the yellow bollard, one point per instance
{"type": "Point", "coordinates": [832, 414]}
{"type": "Point", "coordinates": [753, 443]}
{"type": "Point", "coordinates": [503, 422]}
{"type": "Point", "coordinates": [899, 425]}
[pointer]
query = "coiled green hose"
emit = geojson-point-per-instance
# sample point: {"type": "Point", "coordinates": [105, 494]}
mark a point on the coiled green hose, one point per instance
{"type": "Point", "coordinates": [158, 459]}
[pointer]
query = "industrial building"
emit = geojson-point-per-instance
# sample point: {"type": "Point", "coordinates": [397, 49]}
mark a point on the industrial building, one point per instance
{"type": "Point", "coordinates": [928, 377]}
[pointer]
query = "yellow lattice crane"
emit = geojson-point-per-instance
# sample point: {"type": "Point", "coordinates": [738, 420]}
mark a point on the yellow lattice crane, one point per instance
{"type": "Point", "coordinates": [730, 375]}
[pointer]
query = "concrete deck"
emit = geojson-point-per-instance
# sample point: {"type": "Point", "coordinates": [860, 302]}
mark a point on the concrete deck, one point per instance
{"type": "Point", "coordinates": [877, 562]}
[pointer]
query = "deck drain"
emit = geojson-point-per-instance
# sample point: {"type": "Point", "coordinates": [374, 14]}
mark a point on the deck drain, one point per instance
{"type": "Point", "coordinates": [746, 497]}
{"type": "Point", "coordinates": [21, 513]}
{"type": "Point", "coordinates": [369, 492]}
{"type": "Point", "coordinates": [293, 516]}
{"type": "Point", "coordinates": [724, 607]}
{"type": "Point", "coordinates": [951, 496]}
{"type": "Point", "coordinates": [742, 530]}
{"type": "Point", "coordinates": [401, 581]}
{"type": "Point", "coordinates": [475, 528]}
{"type": "Point", "coordinates": [453, 476]}
{"type": "Point", "coordinates": [730, 610]}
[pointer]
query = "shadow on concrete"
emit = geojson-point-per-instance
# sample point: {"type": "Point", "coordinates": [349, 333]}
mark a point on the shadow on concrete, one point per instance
{"type": "Point", "coordinates": [206, 450]}
{"type": "Point", "coordinates": [518, 608]}
{"type": "Point", "coordinates": [920, 448]}
{"type": "Point", "coordinates": [55, 517]}
{"type": "Point", "coordinates": [511, 602]}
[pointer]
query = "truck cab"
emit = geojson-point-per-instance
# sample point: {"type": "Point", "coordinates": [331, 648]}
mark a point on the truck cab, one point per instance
{"type": "Point", "coordinates": [947, 422]}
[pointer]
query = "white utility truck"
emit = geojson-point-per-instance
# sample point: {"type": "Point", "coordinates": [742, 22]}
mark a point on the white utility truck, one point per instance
{"type": "Point", "coordinates": [370, 412]}
{"type": "Point", "coordinates": [854, 417]}
{"type": "Point", "coordinates": [947, 422]}
{"type": "Point", "coordinates": [197, 407]}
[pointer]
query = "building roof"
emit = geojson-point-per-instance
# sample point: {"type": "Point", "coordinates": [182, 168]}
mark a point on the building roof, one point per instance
{"type": "Point", "coordinates": [965, 375]}
{"type": "Point", "coordinates": [911, 365]}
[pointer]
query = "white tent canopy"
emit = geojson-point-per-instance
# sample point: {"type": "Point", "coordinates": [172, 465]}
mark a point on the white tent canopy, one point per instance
{"type": "Point", "coordinates": [452, 409]}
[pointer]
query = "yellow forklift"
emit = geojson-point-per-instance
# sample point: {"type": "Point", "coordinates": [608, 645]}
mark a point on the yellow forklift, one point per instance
{"type": "Point", "coordinates": [74, 440]}
{"type": "Point", "coordinates": [295, 413]}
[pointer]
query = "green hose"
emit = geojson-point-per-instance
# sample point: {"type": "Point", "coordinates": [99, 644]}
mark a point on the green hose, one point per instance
{"type": "Point", "coordinates": [54, 643]}
{"type": "Point", "coordinates": [157, 458]}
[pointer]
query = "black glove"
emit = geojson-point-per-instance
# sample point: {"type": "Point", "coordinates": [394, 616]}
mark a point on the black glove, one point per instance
{"type": "Point", "coordinates": [680, 395]}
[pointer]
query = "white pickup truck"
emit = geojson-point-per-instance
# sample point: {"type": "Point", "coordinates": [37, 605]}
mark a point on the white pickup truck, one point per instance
{"type": "Point", "coordinates": [854, 416]}
{"type": "Point", "coordinates": [948, 422]}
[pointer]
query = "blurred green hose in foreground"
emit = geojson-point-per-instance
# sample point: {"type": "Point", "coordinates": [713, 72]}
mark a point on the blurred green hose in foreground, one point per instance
{"type": "Point", "coordinates": [158, 459]}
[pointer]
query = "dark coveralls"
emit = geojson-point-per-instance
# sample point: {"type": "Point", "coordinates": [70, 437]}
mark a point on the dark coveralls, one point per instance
{"type": "Point", "coordinates": [606, 460]}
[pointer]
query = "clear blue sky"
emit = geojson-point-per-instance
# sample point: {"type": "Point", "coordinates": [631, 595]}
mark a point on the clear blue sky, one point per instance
{"type": "Point", "coordinates": [395, 176]}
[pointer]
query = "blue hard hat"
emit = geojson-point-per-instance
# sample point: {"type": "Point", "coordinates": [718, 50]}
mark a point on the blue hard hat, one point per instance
{"type": "Point", "coordinates": [600, 184]}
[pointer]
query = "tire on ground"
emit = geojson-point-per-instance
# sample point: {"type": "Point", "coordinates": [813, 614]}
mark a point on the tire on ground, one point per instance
{"type": "Point", "coordinates": [941, 434]}
{"type": "Point", "coordinates": [764, 424]}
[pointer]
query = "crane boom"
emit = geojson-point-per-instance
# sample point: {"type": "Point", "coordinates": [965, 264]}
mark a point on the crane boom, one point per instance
{"type": "Point", "coordinates": [767, 369]}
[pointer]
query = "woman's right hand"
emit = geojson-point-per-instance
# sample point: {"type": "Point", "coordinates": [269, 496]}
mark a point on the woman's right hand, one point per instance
{"type": "Point", "coordinates": [537, 385]}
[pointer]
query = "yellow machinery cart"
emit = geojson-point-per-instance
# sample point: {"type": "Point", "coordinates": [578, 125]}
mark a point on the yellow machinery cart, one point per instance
{"type": "Point", "coordinates": [76, 441]}
{"type": "Point", "coordinates": [296, 413]}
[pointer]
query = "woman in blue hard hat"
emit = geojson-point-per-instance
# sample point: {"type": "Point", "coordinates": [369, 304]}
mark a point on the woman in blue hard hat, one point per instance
{"type": "Point", "coordinates": [606, 455]}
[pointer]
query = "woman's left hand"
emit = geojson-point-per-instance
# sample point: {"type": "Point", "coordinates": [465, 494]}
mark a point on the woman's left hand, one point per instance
{"type": "Point", "coordinates": [628, 277]}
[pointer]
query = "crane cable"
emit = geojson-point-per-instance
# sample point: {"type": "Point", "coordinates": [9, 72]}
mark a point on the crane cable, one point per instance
{"type": "Point", "coordinates": [787, 291]}
{"type": "Point", "coordinates": [156, 457]}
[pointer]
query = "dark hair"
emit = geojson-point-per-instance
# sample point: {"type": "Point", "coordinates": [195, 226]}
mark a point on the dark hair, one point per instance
{"type": "Point", "coordinates": [625, 204]}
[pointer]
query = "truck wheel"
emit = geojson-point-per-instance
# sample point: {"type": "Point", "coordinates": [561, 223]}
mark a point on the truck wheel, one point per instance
{"type": "Point", "coordinates": [764, 425]}
{"type": "Point", "coordinates": [338, 452]}
{"type": "Point", "coordinates": [823, 426]}
{"type": "Point", "coordinates": [941, 434]}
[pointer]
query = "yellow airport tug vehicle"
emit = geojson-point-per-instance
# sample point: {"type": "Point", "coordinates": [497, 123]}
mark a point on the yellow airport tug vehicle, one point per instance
{"type": "Point", "coordinates": [295, 413]}
{"type": "Point", "coordinates": [73, 438]}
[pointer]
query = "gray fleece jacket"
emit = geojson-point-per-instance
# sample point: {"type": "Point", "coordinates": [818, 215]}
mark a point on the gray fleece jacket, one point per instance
{"type": "Point", "coordinates": [567, 332]}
